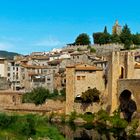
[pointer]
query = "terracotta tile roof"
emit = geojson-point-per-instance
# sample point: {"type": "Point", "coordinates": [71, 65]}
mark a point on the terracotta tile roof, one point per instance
{"type": "Point", "coordinates": [85, 68]}
{"type": "Point", "coordinates": [40, 57]}
{"type": "Point", "coordinates": [56, 61]}
{"type": "Point", "coordinates": [34, 66]}
{"type": "Point", "coordinates": [77, 53]}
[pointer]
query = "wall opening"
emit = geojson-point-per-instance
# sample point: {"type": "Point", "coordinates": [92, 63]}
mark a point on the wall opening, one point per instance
{"type": "Point", "coordinates": [122, 73]}
{"type": "Point", "coordinates": [127, 105]}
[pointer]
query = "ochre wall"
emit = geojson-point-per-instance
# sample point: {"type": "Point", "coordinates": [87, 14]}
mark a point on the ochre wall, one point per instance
{"type": "Point", "coordinates": [93, 79]}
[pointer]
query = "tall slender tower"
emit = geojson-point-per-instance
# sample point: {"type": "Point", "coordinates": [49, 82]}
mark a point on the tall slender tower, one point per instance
{"type": "Point", "coordinates": [116, 29]}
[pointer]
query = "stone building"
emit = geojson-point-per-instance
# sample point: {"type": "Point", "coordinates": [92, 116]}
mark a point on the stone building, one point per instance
{"type": "Point", "coordinates": [33, 76]}
{"type": "Point", "coordinates": [3, 67]}
{"type": "Point", "coordinates": [78, 79]}
{"type": "Point", "coordinates": [13, 74]}
{"type": "Point", "coordinates": [4, 83]}
{"type": "Point", "coordinates": [122, 72]}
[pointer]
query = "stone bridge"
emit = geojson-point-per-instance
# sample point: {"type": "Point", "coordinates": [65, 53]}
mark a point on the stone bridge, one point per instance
{"type": "Point", "coordinates": [133, 85]}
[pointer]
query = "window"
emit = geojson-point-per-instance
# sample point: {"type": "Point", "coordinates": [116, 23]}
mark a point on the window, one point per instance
{"type": "Point", "coordinates": [8, 68]}
{"type": "Point", "coordinates": [48, 79]}
{"type": "Point", "coordinates": [83, 77]}
{"type": "Point", "coordinates": [78, 77]}
{"type": "Point", "coordinates": [8, 74]}
{"type": "Point", "coordinates": [22, 69]}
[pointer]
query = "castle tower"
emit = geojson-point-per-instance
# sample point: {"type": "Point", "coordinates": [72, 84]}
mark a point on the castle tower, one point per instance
{"type": "Point", "coordinates": [113, 76]}
{"type": "Point", "coordinates": [116, 29]}
{"type": "Point", "coordinates": [70, 79]}
{"type": "Point", "coordinates": [120, 66]}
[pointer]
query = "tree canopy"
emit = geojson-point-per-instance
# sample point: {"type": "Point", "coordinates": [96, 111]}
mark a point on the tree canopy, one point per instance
{"type": "Point", "coordinates": [126, 37]}
{"type": "Point", "coordinates": [36, 96]}
{"type": "Point", "coordinates": [82, 39]}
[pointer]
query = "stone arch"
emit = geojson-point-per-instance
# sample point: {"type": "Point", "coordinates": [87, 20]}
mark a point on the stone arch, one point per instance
{"type": "Point", "coordinates": [125, 95]}
{"type": "Point", "coordinates": [127, 104]}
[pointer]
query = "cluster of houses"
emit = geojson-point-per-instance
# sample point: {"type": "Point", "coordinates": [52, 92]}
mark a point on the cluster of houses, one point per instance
{"type": "Point", "coordinates": [46, 69]}
{"type": "Point", "coordinates": [110, 70]}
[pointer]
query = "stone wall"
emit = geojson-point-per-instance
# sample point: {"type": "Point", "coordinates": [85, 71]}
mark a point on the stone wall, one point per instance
{"type": "Point", "coordinates": [4, 84]}
{"type": "Point", "coordinates": [9, 99]}
{"type": "Point", "coordinates": [70, 91]}
{"type": "Point", "coordinates": [120, 66]}
{"type": "Point", "coordinates": [136, 74]}
{"type": "Point", "coordinates": [88, 80]}
{"type": "Point", "coordinates": [133, 85]}
{"type": "Point", "coordinates": [13, 101]}
{"type": "Point", "coordinates": [83, 108]}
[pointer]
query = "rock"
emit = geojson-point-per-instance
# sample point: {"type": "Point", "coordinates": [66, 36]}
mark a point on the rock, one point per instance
{"type": "Point", "coordinates": [79, 121]}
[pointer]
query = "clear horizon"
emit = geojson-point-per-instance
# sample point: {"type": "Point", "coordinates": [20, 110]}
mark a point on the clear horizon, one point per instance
{"type": "Point", "coordinates": [41, 25]}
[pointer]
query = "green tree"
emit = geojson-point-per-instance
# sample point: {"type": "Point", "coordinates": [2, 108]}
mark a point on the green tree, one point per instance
{"type": "Point", "coordinates": [96, 37]}
{"type": "Point", "coordinates": [136, 39]}
{"type": "Point", "coordinates": [126, 37]}
{"type": "Point", "coordinates": [105, 30]}
{"type": "Point", "coordinates": [83, 39]}
{"type": "Point", "coordinates": [102, 38]}
{"type": "Point", "coordinates": [115, 38]}
{"type": "Point", "coordinates": [36, 96]}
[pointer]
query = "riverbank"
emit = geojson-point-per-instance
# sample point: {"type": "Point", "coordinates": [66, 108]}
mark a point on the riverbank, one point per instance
{"type": "Point", "coordinates": [23, 127]}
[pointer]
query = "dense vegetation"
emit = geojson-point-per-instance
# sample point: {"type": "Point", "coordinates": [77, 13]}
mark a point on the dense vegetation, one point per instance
{"type": "Point", "coordinates": [40, 94]}
{"type": "Point", "coordinates": [125, 37]}
{"type": "Point", "coordinates": [100, 121]}
{"type": "Point", "coordinates": [27, 126]}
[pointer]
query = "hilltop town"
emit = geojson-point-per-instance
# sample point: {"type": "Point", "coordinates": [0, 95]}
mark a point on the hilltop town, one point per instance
{"type": "Point", "coordinates": [74, 69]}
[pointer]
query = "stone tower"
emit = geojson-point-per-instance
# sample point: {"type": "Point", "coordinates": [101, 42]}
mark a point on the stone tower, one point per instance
{"type": "Point", "coordinates": [116, 29]}
{"type": "Point", "coordinates": [70, 80]}
{"type": "Point", "coordinates": [120, 66]}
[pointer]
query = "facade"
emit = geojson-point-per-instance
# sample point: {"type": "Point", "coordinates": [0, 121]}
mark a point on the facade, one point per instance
{"type": "Point", "coordinates": [118, 73]}
{"type": "Point", "coordinates": [78, 79]}
{"type": "Point", "coordinates": [13, 75]}
{"type": "Point", "coordinates": [3, 67]}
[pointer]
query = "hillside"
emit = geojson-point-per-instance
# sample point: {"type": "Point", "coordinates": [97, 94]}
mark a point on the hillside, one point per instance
{"type": "Point", "coordinates": [8, 55]}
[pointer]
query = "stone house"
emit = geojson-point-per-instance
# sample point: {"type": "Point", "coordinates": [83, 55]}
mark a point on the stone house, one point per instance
{"type": "Point", "coordinates": [122, 72]}
{"type": "Point", "coordinates": [13, 74]}
{"type": "Point", "coordinates": [35, 76]}
{"type": "Point", "coordinates": [78, 79]}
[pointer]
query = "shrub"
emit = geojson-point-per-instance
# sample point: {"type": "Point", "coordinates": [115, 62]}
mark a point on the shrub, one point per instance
{"type": "Point", "coordinates": [63, 118]}
{"type": "Point", "coordinates": [134, 125]}
{"type": "Point", "coordinates": [5, 120]}
{"type": "Point", "coordinates": [116, 121]}
{"type": "Point", "coordinates": [91, 95]}
{"type": "Point", "coordinates": [72, 116]}
{"type": "Point", "coordinates": [102, 116]}
{"type": "Point", "coordinates": [92, 50]}
{"type": "Point", "coordinates": [51, 116]}
{"type": "Point", "coordinates": [36, 96]}
{"type": "Point", "coordinates": [88, 117]}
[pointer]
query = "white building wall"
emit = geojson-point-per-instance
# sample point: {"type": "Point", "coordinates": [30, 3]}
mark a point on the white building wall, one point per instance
{"type": "Point", "coordinates": [2, 70]}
